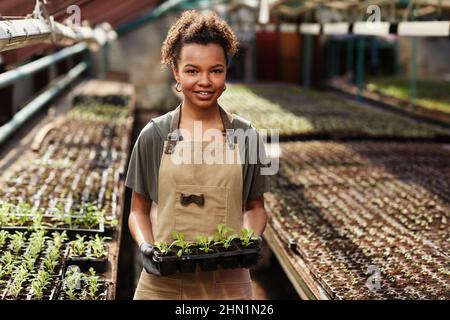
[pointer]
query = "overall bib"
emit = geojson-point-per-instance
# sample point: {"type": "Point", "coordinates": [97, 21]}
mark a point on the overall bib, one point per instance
{"type": "Point", "coordinates": [221, 187]}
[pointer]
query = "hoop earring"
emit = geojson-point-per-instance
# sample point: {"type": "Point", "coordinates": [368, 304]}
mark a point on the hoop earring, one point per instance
{"type": "Point", "coordinates": [176, 87]}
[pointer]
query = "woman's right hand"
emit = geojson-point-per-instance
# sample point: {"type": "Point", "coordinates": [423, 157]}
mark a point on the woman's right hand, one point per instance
{"type": "Point", "coordinates": [141, 230]}
{"type": "Point", "coordinates": [150, 266]}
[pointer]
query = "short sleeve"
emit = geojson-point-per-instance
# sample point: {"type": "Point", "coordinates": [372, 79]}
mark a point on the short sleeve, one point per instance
{"type": "Point", "coordinates": [143, 167]}
{"type": "Point", "coordinates": [256, 183]}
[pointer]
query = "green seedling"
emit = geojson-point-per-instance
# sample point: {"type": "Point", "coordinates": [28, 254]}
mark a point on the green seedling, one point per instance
{"type": "Point", "coordinates": [205, 243]}
{"type": "Point", "coordinates": [52, 259]}
{"type": "Point", "coordinates": [39, 283]}
{"type": "Point", "coordinates": [183, 245]}
{"type": "Point", "coordinates": [17, 241]}
{"type": "Point", "coordinates": [3, 237]}
{"type": "Point", "coordinates": [72, 282]}
{"type": "Point", "coordinates": [163, 247]}
{"type": "Point", "coordinates": [91, 216]}
{"type": "Point", "coordinates": [93, 284]}
{"type": "Point", "coordinates": [59, 238]}
{"type": "Point", "coordinates": [19, 276]}
{"type": "Point", "coordinates": [247, 237]}
{"type": "Point", "coordinates": [78, 246]}
{"type": "Point", "coordinates": [8, 261]}
{"type": "Point", "coordinates": [223, 236]}
{"type": "Point", "coordinates": [222, 232]}
{"type": "Point", "coordinates": [97, 247]}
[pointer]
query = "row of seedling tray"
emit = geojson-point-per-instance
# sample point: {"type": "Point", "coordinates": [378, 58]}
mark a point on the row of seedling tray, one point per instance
{"type": "Point", "coordinates": [57, 209]}
{"type": "Point", "coordinates": [225, 249]}
{"type": "Point", "coordinates": [371, 238]}
{"type": "Point", "coordinates": [61, 198]}
{"type": "Point", "coordinates": [416, 195]}
{"type": "Point", "coordinates": [302, 113]}
{"type": "Point", "coordinates": [41, 185]}
{"type": "Point", "coordinates": [432, 95]}
{"type": "Point", "coordinates": [366, 215]}
{"type": "Point", "coordinates": [41, 266]}
{"type": "Point", "coordinates": [85, 218]}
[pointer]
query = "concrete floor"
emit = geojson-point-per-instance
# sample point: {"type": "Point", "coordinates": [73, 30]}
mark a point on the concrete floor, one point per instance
{"type": "Point", "coordinates": [270, 281]}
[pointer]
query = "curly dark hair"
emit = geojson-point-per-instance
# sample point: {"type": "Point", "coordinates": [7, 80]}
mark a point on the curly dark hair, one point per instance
{"type": "Point", "coordinates": [193, 27]}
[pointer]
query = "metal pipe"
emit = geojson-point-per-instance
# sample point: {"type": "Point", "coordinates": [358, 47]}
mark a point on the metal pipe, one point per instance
{"type": "Point", "coordinates": [307, 61]}
{"type": "Point", "coordinates": [40, 101]}
{"type": "Point", "coordinates": [106, 55]}
{"type": "Point", "coordinates": [349, 58]}
{"type": "Point", "coordinates": [360, 66]}
{"type": "Point", "coordinates": [413, 80]}
{"type": "Point", "coordinates": [12, 76]}
{"type": "Point", "coordinates": [413, 75]}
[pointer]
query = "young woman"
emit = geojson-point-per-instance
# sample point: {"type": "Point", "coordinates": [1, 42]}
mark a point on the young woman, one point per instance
{"type": "Point", "coordinates": [193, 197]}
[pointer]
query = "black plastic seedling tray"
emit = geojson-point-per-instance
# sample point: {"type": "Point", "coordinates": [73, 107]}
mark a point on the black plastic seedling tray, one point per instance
{"type": "Point", "coordinates": [84, 263]}
{"type": "Point", "coordinates": [102, 295]}
{"type": "Point", "coordinates": [210, 264]}
{"type": "Point", "coordinates": [227, 259]}
{"type": "Point", "coordinates": [49, 293]}
{"type": "Point", "coordinates": [167, 265]}
{"type": "Point", "coordinates": [249, 257]}
{"type": "Point", "coordinates": [206, 262]}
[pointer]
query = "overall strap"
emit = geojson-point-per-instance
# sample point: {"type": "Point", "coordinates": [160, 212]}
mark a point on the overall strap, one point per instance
{"type": "Point", "coordinates": [174, 135]}
{"type": "Point", "coordinates": [229, 131]}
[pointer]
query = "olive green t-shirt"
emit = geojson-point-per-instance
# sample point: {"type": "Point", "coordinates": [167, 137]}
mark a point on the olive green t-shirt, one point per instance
{"type": "Point", "coordinates": [143, 169]}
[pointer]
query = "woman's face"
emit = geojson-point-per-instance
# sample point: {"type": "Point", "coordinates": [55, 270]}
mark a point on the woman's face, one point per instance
{"type": "Point", "coordinates": [201, 73]}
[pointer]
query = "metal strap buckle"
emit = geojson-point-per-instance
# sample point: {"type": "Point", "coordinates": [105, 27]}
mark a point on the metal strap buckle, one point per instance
{"type": "Point", "coordinates": [172, 136]}
{"type": "Point", "coordinates": [230, 138]}
{"type": "Point", "coordinates": [172, 139]}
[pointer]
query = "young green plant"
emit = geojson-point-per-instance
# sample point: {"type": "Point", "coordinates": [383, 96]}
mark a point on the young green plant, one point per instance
{"type": "Point", "coordinates": [183, 245]}
{"type": "Point", "coordinates": [247, 237]}
{"type": "Point", "coordinates": [163, 247]}
{"type": "Point", "coordinates": [205, 243]}
{"type": "Point", "coordinates": [223, 236]}
{"type": "Point", "coordinates": [97, 247]}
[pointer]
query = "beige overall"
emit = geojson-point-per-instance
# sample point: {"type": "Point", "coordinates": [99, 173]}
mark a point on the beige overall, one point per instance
{"type": "Point", "coordinates": [221, 187]}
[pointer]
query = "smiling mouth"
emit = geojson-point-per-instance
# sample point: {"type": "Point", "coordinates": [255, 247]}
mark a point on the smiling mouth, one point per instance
{"type": "Point", "coordinates": [205, 93]}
